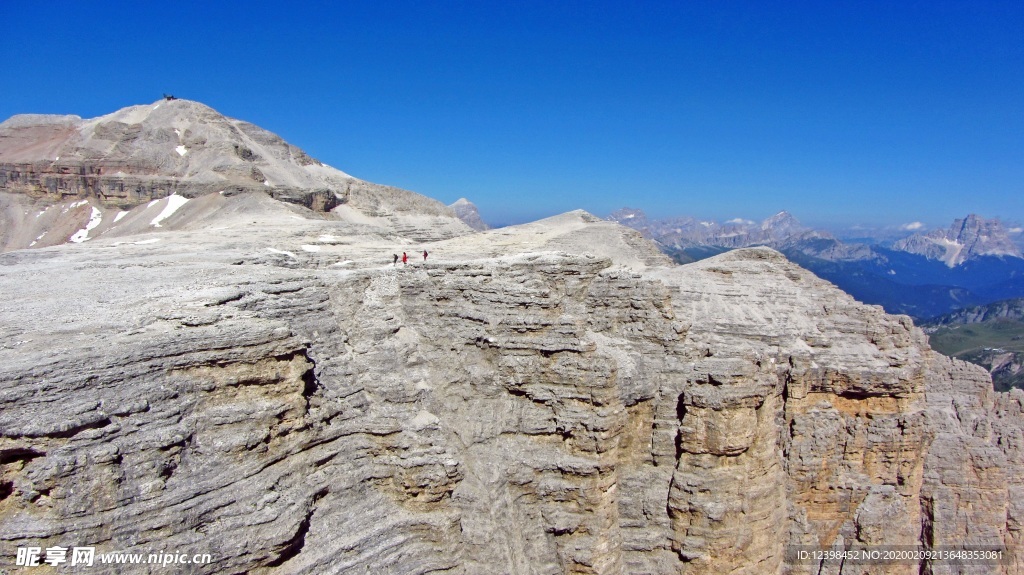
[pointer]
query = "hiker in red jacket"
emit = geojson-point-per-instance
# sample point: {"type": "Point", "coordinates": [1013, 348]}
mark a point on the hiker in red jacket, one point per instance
{"type": "Point", "coordinates": [405, 259]}
{"type": "Point", "coordinates": [424, 255]}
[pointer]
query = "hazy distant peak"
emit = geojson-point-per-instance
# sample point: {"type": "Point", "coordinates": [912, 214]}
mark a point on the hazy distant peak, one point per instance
{"type": "Point", "coordinates": [627, 214]}
{"type": "Point", "coordinates": [965, 239]}
{"type": "Point", "coordinates": [781, 220]}
{"type": "Point", "coordinates": [469, 214]}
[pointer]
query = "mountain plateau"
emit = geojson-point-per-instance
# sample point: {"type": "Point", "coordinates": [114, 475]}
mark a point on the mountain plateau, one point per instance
{"type": "Point", "coordinates": [251, 375]}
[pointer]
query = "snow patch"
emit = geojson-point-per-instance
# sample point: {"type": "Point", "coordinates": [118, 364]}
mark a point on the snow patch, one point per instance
{"type": "Point", "coordinates": [266, 183]}
{"type": "Point", "coordinates": [707, 224]}
{"type": "Point", "coordinates": [174, 201]}
{"type": "Point", "coordinates": [177, 132]}
{"type": "Point", "coordinates": [344, 263]}
{"type": "Point", "coordinates": [953, 249]}
{"type": "Point", "coordinates": [284, 253]}
{"type": "Point", "coordinates": [57, 159]}
{"type": "Point", "coordinates": [119, 216]}
{"type": "Point", "coordinates": [149, 241]}
{"type": "Point", "coordinates": [83, 234]}
{"type": "Point", "coordinates": [310, 248]}
{"type": "Point", "coordinates": [73, 205]}
{"type": "Point", "coordinates": [629, 217]}
{"type": "Point", "coordinates": [182, 150]}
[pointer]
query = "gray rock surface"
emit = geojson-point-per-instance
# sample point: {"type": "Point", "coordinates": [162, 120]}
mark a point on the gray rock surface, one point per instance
{"type": "Point", "coordinates": [547, 398]}
{"type": "Point", "coordinates": [258, 380]}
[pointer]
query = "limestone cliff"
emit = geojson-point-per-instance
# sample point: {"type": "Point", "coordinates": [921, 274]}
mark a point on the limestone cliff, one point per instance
{"type": "Point", "coordinates": [264, 382]}
{"type": "Point", "coordinates": [575, 406]}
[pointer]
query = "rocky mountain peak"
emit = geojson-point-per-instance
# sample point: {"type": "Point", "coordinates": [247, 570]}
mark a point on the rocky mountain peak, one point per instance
{"type": "Point", "coordinates": [469, 214]}
{"type": "Point", "coordinates": [145, 152]}
{"type": "Point", "coordinates": [967, 238]}
{"type": "Point", "coordinates": [781, 225]}
{"type": "Point", "coordinates": [167, 153]}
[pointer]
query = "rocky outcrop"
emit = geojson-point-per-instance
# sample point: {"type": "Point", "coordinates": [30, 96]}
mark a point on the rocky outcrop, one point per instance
{"type": "Point", "coordinates": [226, 374]}
{"type": "Point", "coordinates": [540, 412]}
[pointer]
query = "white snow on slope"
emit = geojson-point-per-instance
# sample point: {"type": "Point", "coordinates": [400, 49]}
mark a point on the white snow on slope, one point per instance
{"type": "Point", "coordinates": [174, 201]}
{"type": "Point", "coordinates": [83, 234]}
{"type": "Point", "coordinates": [182, 150]}
{"type": "Point", "coordinates": [119, 216]}
{"type": "Point", "coordinates": [953, 250]}
{"type": "Point", "coordinates": [310, 248]}
{"type": "Point", "coordinates": [74, 205]}
{"type": "Point", "coordinates": [284, 253]}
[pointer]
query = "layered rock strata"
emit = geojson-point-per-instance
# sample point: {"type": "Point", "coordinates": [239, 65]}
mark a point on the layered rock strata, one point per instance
{"type": "Point", "coordinates": [544, 413]}
{"type": "Point", "coordinates": [148, 152]}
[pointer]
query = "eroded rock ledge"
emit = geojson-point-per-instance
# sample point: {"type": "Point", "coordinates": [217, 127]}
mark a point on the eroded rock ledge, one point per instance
{"type": "Point", "coordinates": [541, 413]}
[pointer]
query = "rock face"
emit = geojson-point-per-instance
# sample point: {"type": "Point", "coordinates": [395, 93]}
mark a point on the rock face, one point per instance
{"type": "Point", "coordinates": [967, 238]}
{"type": "Point", "coordinates": [549, 398]}
{"type": "Point", "coordinates": [260, 381]}
{"type": "Point", "coordinates": [467, 212]}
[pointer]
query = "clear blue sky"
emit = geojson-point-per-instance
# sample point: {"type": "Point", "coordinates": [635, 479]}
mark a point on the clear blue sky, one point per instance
{"type": "Point", "coordinates": [840, 112]}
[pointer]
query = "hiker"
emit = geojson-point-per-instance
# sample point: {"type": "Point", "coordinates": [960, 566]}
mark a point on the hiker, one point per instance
{"type": "Point", "coordinates": [395, 263]}
{"type": "Point", "coordinates": [424, 255]}
{"type": "Point", "coordinates": [405, 259]}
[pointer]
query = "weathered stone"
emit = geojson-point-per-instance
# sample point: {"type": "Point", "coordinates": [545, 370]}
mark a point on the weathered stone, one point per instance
{"type": "Point", "coordinates": [548, 398]}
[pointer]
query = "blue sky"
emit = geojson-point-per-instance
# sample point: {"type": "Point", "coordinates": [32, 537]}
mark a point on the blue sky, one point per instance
{"type": "Point", "coordinates": [840, 112]}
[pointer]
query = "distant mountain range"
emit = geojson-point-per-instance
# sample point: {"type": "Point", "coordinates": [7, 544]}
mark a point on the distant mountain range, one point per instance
{"type": "Point", "coordinates": [924, 275]}
{"type": "Point", "coordinates": [991, 336]}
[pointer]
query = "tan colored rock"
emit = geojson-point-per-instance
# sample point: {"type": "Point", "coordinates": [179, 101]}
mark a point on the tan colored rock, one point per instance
{"type": "Point", "coordinates": [549, 398]}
